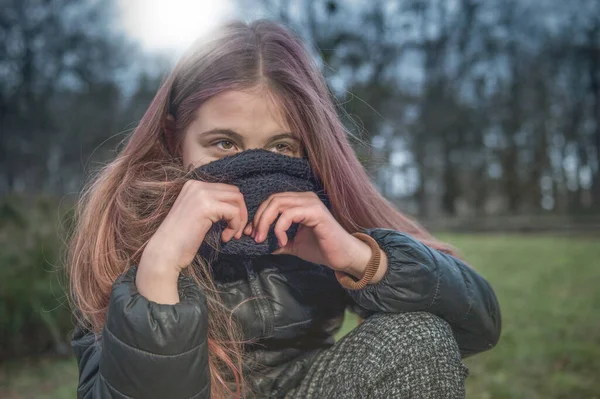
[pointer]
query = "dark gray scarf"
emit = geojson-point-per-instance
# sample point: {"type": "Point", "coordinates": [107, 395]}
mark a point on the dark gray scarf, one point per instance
{"type": "Point", "coordinates": [258, 173]}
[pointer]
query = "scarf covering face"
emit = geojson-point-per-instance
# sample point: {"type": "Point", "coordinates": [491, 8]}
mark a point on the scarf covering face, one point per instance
{"type": "Point", "coordinates": [258, 173]}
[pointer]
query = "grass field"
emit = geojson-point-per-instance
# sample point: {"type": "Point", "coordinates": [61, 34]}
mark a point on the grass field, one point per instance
{"type": "Point", "coordinates": [548, 288]}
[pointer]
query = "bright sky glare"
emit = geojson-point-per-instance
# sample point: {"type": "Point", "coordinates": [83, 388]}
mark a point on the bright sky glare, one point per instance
{"type": "Point", "coordinates": [171, 25]}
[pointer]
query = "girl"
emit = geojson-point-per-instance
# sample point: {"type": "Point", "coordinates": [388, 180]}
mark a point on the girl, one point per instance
{"type": "Point", "coordinates": [216, 255]}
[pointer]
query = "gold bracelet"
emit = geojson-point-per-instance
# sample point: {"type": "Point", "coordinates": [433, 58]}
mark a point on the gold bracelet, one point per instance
{"type": "Point", "coordinates": [350, 282]}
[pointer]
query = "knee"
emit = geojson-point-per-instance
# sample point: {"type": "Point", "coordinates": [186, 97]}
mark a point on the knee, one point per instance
{"type": "Point", "coordinates": [419, 332]}
{"type": "Point", "coordinates": [418, 354]}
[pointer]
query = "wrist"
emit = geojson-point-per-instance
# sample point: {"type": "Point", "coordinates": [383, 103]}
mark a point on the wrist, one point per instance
{"type": "Point", "coordinates": [157, 285]}
{"type": "Point", "coordinates": [361, 257]}
{"type": "Point", "coordinates": [159, 264]}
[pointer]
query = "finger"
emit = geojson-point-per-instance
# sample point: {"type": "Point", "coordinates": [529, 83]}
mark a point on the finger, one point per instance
{"type": "Point", "coordinates": [215, 186]}
{"type": "Point", "coordinates": [244, 216]}
{"type": "Point", "coordinates": [231, 214]}
{"type": "Point", "coordinates": [237, 199]}
{"type": "Point", "coordinates": [286, 196]}
{"type": "Point", "coordinates": [275, 207]}
{"type": "Point", "coordinates": [289, 216]}
{"type": "Point", "coordinates": [264, 205]}
{"type": "Point", "coordinates": [259, 212]}
{"type": "Point", "coordinates": [224, 187]}
{"type": "Point", "coordinates": [280, 251]}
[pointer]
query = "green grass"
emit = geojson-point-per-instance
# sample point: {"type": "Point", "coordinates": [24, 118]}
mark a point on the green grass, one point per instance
{"type": "Point", "coordinates": [548, 289]}
{"type": "Point", "coordinates": [550, 345]}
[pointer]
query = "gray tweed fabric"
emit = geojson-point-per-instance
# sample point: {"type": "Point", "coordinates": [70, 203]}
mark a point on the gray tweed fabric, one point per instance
{"type": "Point", "coordinates": [390, 355]}
{"type": "Point", "coordinates": [258, 173]}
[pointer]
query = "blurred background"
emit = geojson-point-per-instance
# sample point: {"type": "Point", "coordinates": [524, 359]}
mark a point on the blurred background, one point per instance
{"type": "Point", "coordinates": [481, 119]}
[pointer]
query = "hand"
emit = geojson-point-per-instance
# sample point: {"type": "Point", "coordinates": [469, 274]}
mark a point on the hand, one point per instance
{"type": "Point", "coordinates": [198, 205]}
{"type": "Point", "coordinates": [320, 238]}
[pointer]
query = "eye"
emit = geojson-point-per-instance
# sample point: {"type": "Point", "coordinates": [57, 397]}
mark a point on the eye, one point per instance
{"type": "Point", "coordinates": [224, 141]}
{"type": "Point", "coordinates": [284, 147]}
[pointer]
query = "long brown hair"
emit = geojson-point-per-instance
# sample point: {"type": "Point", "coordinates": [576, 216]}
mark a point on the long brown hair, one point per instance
{"type": "Point", "coordinates": [125, 202]}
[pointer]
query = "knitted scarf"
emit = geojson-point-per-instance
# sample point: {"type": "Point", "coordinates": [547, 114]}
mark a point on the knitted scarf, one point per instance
{"type": "Point", "coordinates": [258, 173]}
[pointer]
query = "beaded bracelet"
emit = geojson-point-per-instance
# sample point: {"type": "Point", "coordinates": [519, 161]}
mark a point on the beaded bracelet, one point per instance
{"type": "Point", "coordinates": [350, 282]}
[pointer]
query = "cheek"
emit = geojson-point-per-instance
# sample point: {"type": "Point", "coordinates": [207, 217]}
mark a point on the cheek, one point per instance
{"type": "Point", "coordinates": [193, 153]}
{"type": "Point", "coordinates": [186, 151]}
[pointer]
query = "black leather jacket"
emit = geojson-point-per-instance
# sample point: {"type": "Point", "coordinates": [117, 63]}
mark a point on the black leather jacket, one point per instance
{"type": "Point", "coordinates": [150, 350]}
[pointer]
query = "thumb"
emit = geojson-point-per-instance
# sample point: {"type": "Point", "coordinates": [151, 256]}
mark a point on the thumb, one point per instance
{"type": "Point", "coordinates": [280, 250]}
{"type": "Point", "coordinates": [286, 249]}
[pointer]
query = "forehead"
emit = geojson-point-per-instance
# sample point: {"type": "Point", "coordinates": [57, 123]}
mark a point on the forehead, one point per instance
{"type": "Point", "coordinates": [246, 112]}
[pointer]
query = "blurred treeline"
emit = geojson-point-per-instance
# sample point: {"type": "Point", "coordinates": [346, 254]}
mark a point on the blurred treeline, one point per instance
{"type": "Point", "coordinates": [71, 84]}
{"type": "Point", "coordinates": [472, 108]}
{"type": "Point", "coordinates": [475, 107]}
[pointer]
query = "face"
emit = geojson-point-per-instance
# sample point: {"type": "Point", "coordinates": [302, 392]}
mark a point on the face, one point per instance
{"type": "Point", "coordinates": [235, 121]}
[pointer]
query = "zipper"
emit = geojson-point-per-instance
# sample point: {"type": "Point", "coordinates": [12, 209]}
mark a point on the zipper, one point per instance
{"type": "Point", "coordinates": [261, 302]}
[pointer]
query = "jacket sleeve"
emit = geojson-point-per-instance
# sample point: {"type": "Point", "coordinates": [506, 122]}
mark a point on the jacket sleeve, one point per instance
{"type": "Point", "coordinates": [420, 278]}
{"type": "Point", "coordinates": [146, 349]}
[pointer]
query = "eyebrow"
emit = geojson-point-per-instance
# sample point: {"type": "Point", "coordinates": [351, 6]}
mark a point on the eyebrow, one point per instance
{"type": "Point", "coordinates": [239, 137]}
